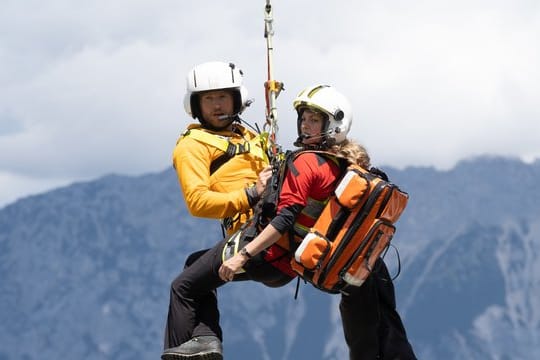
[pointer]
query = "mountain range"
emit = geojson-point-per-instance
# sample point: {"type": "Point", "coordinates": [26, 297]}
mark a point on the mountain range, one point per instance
{"type": "Point", "coordinates": [85, 271]}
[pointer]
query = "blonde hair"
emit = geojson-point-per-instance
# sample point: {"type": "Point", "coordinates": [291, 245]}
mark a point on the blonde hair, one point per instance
{"type": "Point", "coordinates": [353, 152]}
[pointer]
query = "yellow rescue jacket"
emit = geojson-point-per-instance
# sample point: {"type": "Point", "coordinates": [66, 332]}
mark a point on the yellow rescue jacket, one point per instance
{"type": "Point", "coordinates": [220, 193]}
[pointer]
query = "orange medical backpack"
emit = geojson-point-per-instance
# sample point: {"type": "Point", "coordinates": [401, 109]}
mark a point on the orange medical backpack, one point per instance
{"type": "Point", "coordinates": [354, 228]}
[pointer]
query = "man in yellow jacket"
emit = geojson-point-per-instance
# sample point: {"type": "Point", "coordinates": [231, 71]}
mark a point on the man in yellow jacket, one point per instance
{"type": "Point", "coordinates": [222, 166]}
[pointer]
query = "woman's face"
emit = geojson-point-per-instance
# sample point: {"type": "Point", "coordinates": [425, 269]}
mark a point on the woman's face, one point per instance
{"type": "Point", "coordinates": [311, 125]}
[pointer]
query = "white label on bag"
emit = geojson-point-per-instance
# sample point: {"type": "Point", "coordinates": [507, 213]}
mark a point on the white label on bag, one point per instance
{"type": "Point", "coordinates": [303, 245]}
{"type": "Point", "coordinates": [344, 183]}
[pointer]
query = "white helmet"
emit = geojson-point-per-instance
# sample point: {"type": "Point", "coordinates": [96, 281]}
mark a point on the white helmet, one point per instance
{"type": "Point", "coordinates": [214, 75]}
{"type": "Point", "coordinates": [332, 103]}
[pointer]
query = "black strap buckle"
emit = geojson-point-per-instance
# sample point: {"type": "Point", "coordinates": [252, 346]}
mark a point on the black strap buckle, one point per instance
{"type": "Point", "coordinates": [243, 148]}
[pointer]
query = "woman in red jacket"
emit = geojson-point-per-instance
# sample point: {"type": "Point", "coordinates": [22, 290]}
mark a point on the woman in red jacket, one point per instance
{"type": "Point", "coordinates": [372, 327]}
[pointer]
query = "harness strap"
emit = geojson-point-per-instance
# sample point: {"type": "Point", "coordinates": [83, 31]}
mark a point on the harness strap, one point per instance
{"type": "Point", "coordinates": [228, 147]}
{"type": "Point", "coordinates": [216, 164]}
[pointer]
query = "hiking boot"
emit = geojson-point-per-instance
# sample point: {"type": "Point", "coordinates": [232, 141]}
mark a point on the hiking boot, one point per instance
{"type": "Point", "coordinates": [198, 348]}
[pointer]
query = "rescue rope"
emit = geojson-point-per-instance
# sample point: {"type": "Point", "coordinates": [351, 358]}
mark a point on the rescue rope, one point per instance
{"type": "Point", "coordinates": [272, 87]}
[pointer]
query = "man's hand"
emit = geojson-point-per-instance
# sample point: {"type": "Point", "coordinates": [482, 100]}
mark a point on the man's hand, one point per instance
{"type": "Point", "coordinates": [264, 175]}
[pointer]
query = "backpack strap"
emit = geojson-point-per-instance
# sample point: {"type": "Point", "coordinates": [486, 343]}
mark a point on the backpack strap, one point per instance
{"type": "Point", "coordinates": [379, 173]}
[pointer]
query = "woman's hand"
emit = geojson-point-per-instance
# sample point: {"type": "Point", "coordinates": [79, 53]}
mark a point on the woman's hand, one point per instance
{"type": "Point", "coordinates": [231, 266]}
{"type": "Point", "coordinates": [267, 237]}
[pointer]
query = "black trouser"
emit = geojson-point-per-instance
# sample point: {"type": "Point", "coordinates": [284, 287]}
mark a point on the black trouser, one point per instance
{"type": "Point", "coordinates": [373, 328]}
{"type": "Point", "coordinates": [193, 309]}
{"type": "Point", "coordinates": [371, 324]}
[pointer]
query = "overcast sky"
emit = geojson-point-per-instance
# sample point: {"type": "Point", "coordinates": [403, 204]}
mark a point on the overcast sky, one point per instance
{"type": "Point", "coordinates": [89, 88]}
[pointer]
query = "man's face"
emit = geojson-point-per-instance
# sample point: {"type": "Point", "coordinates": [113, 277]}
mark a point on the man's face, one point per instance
{"type": "Point", "coordinates": [214, 104]}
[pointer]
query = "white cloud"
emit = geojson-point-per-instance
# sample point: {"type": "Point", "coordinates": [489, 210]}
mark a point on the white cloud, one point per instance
{"type": "Point", "coordinates": [14, 186]}
{"type": "Point", "coordinates": [94, 88]}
